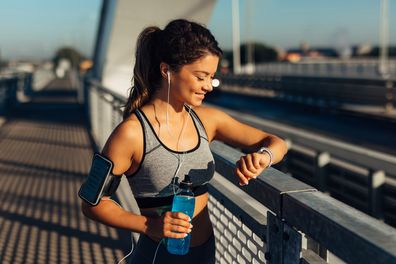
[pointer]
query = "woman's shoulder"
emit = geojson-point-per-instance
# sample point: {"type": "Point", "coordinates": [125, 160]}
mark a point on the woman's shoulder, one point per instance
{"type": "Point", "coordinates": [128, 133]}
{"type": "Point", "coordinates": [129, 129]}
{"type": "Point", "coordinates": [124, 144]}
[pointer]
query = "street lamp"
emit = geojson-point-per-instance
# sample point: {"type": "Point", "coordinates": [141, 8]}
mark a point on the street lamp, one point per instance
{"type": "Point", "coordinates": [383, 68]}
{"type": "Point", "coordinates": [236, 37]}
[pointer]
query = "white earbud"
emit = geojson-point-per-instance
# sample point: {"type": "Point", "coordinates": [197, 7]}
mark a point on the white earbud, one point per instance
{"type": "Point", "coordinates": [215, 82]}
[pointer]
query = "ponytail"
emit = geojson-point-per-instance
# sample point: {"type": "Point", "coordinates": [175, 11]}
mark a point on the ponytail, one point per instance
{"type": "Point", "coordinates": [146, 74]}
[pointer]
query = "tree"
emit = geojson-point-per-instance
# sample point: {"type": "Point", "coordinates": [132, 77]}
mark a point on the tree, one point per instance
{"type": "Point", "coordinates": [261, 53]}
{"type": "Point", "coordinates": [70, 54]}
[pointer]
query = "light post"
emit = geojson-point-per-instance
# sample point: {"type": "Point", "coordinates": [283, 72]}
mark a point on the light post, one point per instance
{"type": "Point", "coordinates": [236, 37]}
{"type": "Point", "coordinates": [250, 68]}
{"type": "Point", "coordinates": [383, 64]}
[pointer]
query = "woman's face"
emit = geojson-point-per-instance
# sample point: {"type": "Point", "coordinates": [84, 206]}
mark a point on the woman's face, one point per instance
{"type": "Point", "coordinates": [190, 84]}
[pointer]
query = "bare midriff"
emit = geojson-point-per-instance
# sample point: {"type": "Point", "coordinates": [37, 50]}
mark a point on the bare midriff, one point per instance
{"type": "Point", "coordinates": [202, 226]}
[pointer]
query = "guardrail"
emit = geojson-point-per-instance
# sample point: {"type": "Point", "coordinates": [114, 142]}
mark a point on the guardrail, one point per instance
{"type": "Point", "coordinates": [358, 176]}
{"type": "Point", "coordinates": [275, 219]}
{"type": "Point", "coordinates": [297, 209]}
{"type": "Point", "coordinates": [328, 68]}
{"type": "Point", "coordinates": [323, 91]}
{"type": "Point", "coordinates": [9, 86]}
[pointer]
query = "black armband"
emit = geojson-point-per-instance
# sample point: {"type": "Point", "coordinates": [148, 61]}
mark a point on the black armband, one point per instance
{"type": "Point", "coordinates": [111, 185]}
{"type": "Point", "coordinates": [100, 180]}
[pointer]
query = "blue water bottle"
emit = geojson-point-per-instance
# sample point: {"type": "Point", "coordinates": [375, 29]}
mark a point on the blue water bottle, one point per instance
{"type": "Point", "coordinates": [182, 202]}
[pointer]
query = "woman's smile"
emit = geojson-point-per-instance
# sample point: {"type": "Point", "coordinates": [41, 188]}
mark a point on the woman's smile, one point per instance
{"type": "Point", "coordinates": [200, 95]}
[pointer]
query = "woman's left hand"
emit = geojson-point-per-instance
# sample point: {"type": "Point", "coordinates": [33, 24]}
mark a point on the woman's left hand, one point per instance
{"type": "Point", "coordinates": [250, 166]}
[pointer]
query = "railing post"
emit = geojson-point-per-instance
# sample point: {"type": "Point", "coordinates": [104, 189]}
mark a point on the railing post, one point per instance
{"type": "Point", "coordinates": [291, 245]}
{"type": "Point", "coordinates": [274, 239]}
{"type": "Point", "coordinates": [376, 183]}
{"type": "Point", "coordinates": [95, 114]}
{"type": "Point", "coordinates": [87, 101]}
{"type": "Point", "coordinates": [389, 95]}
{"type": "Point", "coordinates": [80, 88]}
{"type": "Point", "coordinates": [315, 247]}
{"type": "Point", "coordinates": [3, 90]}
{"type": "Point", "coordinates": [27, 86]}
{"type": "Point", "coordinates": [99, 110]}
{"type": "Point", "coordinates": [114, 113]}
{"type": "Point", "coordinates": [283, 242]}
{"type": "Point", "coordinates": [321, 160]}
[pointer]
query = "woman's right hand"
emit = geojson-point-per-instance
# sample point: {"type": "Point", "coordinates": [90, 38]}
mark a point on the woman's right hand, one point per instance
{"type": "Point", "coordinates": [169, 224]}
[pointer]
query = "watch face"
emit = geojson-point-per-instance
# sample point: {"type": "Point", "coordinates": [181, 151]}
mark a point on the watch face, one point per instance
{"type": "Point", "coordinates": [262, 150]}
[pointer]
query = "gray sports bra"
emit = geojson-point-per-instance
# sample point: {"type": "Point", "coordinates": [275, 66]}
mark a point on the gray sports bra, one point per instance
{"type": "Point", "coordinates": [153, 184]}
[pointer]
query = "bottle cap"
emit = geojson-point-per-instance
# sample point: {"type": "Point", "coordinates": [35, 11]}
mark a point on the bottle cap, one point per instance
{"type": "Point", "coordinates": [186, 183]}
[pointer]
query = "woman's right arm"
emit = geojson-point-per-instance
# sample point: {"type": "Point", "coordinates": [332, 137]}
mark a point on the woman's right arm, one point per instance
{"type": "Point", "coordinates": [125, 148]}
{"type": "Point", "coordinates": [170, 224]}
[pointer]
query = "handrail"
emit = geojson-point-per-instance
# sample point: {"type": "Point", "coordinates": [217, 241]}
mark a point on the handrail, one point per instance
{"type": "Point", "coordinates": [103, 89]}
{"type": "Point", "coordinates": [348, 233]}
{"type": "Point", "coordinates": [321, 90]}
{"type": "Point", "coordinates": [9, 85]}
{"type": "Point", "coordinates": [356, 68]}
{"type": "Point", "coordinates": [361, 156]}
{"type": "Point", "coordinates": [323, 218]}
{"type": "Point", "coordinates": [269, 189]}
{"type": "Point", "coordinates": [376, 168]}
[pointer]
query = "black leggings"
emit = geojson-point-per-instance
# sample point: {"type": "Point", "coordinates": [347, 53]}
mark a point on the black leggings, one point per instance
{"type": "Point", "coordinates": [145, 250]}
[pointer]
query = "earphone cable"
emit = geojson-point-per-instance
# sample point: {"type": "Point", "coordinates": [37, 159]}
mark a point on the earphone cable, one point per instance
{"type": "Point", "coordinates": [156, 250]}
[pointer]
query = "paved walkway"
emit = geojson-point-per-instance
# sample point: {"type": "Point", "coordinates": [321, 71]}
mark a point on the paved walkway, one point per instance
{"type": "Point", "coordinates": [45, 153]}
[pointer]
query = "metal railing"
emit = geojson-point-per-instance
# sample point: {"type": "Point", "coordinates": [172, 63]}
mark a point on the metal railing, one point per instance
{"type": "Point", "coordinates": [275, 219]}
{"type": "Point", "coordinates": [321, 91]}
{"type": "Point", "coordinates": [358, 176]}
{"type": "Point", "coordinates": [357, 68]}
{"type": "Point", "coordinates": [10, 84]}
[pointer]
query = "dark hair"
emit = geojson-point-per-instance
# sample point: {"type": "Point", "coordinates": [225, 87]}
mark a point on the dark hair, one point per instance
{"type": "Point", "coordinates": [181, 42]}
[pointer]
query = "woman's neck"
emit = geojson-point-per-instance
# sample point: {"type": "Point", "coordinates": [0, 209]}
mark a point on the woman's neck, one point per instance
{"type": "Point", "coordinates": [174, 107]}
{"type": "Point", "coordinates": [172, 117]}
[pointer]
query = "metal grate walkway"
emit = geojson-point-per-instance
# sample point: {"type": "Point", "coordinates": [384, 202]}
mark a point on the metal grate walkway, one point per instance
{"type": "Point", "coordinates": [45, 152]}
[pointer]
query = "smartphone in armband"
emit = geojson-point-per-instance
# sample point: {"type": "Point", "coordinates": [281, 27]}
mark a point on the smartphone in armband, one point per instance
{"type": "Point", "coordinates": [99, 175]}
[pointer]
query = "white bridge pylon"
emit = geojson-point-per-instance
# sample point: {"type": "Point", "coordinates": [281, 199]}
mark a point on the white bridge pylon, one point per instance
{"type": "Point", "coordinates": [120, 24]}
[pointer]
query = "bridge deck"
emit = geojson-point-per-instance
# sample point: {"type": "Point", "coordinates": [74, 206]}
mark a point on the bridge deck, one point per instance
{"type": "Point", "coordinates": [45, 153]}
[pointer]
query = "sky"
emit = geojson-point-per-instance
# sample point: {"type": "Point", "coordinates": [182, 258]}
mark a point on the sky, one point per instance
{"type": "Point", "coordinates": [36, 28]}
{"type": "Point", "coordinates": [288, 23]}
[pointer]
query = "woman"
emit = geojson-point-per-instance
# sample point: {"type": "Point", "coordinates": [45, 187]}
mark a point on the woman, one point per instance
{"type": "Point", "coordinates": [165, 135]}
